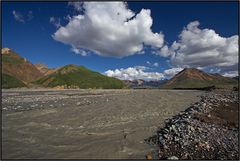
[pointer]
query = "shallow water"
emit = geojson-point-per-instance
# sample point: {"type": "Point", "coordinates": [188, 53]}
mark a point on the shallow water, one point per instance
{"type": "Point", "coordinates": [78, 124]}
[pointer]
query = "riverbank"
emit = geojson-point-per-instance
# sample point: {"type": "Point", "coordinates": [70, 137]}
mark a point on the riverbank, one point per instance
{"type": "Point", "coordinates": [209, 129]}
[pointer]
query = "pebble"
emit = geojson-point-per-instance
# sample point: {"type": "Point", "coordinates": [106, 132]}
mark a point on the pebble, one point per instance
{"type": "Point", "coordinates": [172, 158]}
{"type": "Point", "coordinates": [149, 157]}
{"type": "Point", "coordinates": [192, 135]}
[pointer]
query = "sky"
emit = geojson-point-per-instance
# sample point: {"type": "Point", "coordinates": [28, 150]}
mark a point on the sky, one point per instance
{"type": "Point", "coordinates": [126, 40]}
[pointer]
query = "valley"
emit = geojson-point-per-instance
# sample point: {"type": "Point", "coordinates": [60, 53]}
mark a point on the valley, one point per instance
{"type": "Point", "coordinates": [86, 124]}
{"type": "Point", "coordinates": [120, 80]}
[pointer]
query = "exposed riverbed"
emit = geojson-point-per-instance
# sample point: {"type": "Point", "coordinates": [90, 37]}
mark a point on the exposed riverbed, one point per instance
{"type": "Point", "coordinates": [77, 124]}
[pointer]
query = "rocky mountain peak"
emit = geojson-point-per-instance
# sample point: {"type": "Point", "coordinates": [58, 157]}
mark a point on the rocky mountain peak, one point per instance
{"type": "Point", "coordinates": [6, 50]}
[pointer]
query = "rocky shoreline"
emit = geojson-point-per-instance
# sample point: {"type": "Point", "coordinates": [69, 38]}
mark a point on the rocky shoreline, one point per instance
{"type": "Point", "coordinates": [208, 129]}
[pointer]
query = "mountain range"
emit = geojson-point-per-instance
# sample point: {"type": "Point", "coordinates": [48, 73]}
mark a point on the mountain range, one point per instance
{"type": "Point", "coordinates": [19, 72]}
{"type": "Point", "coordinates": [140, 83]}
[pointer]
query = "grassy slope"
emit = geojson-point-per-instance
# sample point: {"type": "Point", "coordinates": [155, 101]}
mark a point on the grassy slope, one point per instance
{"type": "Point", "coordinates": [12, 59]}
{"type": "Point", "coordinates": [18, 67]}
{"type": "Point", "coordinates": [79, 76]}
{"type": "Point", "coordinates": [11, 82]}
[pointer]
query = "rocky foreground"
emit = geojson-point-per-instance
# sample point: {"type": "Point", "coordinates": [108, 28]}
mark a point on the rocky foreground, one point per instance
{"type": "Point", "coordinates": [206, 130]}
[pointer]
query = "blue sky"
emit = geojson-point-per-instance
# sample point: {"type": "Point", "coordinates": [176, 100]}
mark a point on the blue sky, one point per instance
{"type": "Point", "coordinates": [26, 28]}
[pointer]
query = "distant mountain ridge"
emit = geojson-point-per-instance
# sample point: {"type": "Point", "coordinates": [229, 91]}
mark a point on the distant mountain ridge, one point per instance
{"type": "Point", "coordinates": [139, 83]}
{"type": "Point", "coordinates": [19, 72]}
{"type": "Point", "coordinates": [194, 78]}
{"type": "Point", "coordinates": [44, 69]}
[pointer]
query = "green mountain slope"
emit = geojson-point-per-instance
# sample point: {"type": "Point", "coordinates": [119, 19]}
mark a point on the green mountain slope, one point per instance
{"type": "Point", "coordinates": [9, 81]}
{"type": "Point", "coordinates": [72, 76]}
{"type": "Point", "coordinates": [18, 67]}
{"type": "Point", "coordinates": [194, 78]}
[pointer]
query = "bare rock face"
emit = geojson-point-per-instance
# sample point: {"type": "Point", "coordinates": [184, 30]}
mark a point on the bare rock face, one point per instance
{"type": "Point", "coordinates": [43, 68]}
{"type": "Point", "coordinates": [5, 50]}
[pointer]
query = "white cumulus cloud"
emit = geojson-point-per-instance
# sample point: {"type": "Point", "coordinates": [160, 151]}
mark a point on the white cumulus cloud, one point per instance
{"type": "Point", "coordinates": [171, 72]}
{"type": "Point", "coordinates": [77, 5]}
{"type": "Point", "coordinates": [109, 29]}
{"type": "Point", "coordinates": [80, 51]}
{"type": "Point", "coordinates": [152, 64]}
{"type": "Point", "coordinates": [140, 72]}
{"type": "Point", "coordinates": [55, 21]}
{"type": "Point", "coordinates": [231, 74]}
{"type": "Point", "coordinates": [202, 48]}
{"type": "Point", "coordinates": [133, 73]}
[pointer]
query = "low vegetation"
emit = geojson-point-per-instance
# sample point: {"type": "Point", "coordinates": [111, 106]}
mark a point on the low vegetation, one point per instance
{"type": "Point", "coordinates": [9, 59]}
{"type": "Point", "coordinates": [72, 76]}
{"type": "Point", "coordinates": [9, 81]}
